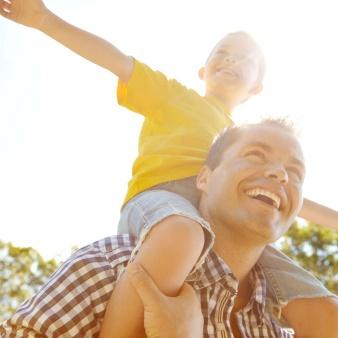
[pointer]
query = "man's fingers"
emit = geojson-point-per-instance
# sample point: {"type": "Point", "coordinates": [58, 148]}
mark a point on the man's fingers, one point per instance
{"type": "Point", "coordinates": [187, 291]}
{"type": "Point", "coordinates": [144, 285]}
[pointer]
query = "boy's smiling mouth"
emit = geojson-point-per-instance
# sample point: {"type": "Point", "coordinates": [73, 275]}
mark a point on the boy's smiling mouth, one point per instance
{"type": "Point", "coordinates": [227, 71]}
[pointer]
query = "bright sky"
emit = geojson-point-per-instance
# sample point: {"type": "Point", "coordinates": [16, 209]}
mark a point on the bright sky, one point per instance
{"type": "Point", "coordinates": [66, 148]}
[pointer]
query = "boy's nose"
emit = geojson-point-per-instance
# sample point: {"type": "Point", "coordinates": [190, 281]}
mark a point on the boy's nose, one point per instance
{"type": "Point", "coordinates": [229, 59]}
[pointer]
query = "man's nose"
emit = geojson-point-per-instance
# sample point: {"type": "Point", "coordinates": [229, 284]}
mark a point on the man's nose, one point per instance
{"type": "Point", "coordinates": [277, 173]}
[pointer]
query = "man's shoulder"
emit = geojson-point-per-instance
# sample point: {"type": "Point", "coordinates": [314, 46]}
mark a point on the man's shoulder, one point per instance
{"type": "Point", "coordinates": [114, 242]}
{"type": "Point", "coordinates": [107, 254]}
{"type": "Point", "coordinates": [115, 247]}
{"type": "Point", "coordinates": [84, 281]}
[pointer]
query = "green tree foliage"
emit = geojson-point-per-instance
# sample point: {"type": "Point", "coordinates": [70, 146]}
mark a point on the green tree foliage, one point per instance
{"type": "Point", "coordinates": [22, 272]}
{"type": "Point", "coordinates": [315, 248]}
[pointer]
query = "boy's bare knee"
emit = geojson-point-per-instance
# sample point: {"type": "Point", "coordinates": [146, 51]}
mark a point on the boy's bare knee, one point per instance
{"type": "Point", "coordinates": [170, 251]}
{"type": "Point", "coordinates": [179, 228]}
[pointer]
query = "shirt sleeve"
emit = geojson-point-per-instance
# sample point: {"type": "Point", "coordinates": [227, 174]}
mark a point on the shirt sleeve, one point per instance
{"type": "Point", "coordinates": [71, 303]}
{"type": "Point", "coordinates": [147, 92]}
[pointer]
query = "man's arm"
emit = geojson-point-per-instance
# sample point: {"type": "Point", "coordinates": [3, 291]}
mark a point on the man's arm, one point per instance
{"type": "Point", "coordinates": [313, 318]}
{"type": "Point", "coordinates": [318, 214]}
{"type": "Point", "coordinates": [33, 13]}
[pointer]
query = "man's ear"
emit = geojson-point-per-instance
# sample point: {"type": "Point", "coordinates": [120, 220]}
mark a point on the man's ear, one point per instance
{"type": "Point", "coordinates": [256, 90]}
{"type": "Point", "coordinates": [202, 179]}
{"type": "Point", "coordinates": [201, 73]}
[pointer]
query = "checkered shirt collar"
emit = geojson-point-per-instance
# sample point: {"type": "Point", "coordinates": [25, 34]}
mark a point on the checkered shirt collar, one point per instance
{"type": "Point", "coordinates": [215, 270]}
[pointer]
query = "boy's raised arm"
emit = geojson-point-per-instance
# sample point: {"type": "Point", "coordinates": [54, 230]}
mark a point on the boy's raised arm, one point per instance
{"type": "Point", "coordinates": [319, 214]}
{"type": "Point", "coordinates": [33, 13]}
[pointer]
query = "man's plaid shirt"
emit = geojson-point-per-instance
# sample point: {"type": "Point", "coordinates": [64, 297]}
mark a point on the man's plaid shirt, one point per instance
{"type": "Point", "coordinates": [73, 301]}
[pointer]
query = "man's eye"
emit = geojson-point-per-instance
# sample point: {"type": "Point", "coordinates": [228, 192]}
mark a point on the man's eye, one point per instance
{"type": "Point", "coordinates": [296, 173]}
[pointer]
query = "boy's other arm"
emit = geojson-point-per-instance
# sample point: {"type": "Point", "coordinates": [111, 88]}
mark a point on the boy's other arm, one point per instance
{"type": "Point", "coordinates": [319, 214]}
{"type": "Point", "coordinates": [33, 13]}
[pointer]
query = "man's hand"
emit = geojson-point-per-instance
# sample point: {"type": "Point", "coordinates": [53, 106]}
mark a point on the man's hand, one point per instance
{"type": "Point", "coordinates": [31, 13]}
{"type": "Point", "coordinates": [167, 317]}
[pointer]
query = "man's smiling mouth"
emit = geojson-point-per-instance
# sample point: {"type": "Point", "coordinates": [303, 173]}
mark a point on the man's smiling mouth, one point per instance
{"type": "Point", "coordinates": [265, 196]}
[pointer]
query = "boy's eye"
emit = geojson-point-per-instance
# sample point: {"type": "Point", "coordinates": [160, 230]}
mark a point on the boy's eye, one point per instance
{"type": "Point", "coordinates": [222, 51]}
{"type": "Point", "coordinates": [255, 154]}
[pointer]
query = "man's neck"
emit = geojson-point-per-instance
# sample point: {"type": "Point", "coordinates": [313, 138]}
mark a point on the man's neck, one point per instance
{"type": "Point", "coordinates": [239, 254]}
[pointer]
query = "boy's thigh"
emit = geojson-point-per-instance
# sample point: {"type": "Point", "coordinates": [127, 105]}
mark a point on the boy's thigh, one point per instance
{"type": "Point", "coordinates": [286, 280]}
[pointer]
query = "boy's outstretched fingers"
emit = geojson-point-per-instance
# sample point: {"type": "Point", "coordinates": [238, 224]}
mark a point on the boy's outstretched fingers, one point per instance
{"type": "Point", "coordinates": [30, 13]}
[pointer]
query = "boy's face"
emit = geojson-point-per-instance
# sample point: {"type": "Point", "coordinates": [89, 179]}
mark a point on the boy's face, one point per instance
{"type": "Point", "coordinates": [232, 70]}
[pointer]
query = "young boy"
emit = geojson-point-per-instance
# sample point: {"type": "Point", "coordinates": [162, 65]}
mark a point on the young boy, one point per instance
{"type": "Point", "coordinates": [178, 130]}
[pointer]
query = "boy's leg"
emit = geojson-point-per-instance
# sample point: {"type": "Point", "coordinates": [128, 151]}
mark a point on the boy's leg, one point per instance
{"type": "Point", "coordinates": [173, 239]}
{"type": "Point", "coordinates": [168, 254]}
{"type": "Point", "coordinates": [304, 303]}
{"type": "Point", "coordinates": [314, 317]}
{"type": "Point", "coordinates": [287, 281]}
{"type": "Point", "coordinates": [297, 296]}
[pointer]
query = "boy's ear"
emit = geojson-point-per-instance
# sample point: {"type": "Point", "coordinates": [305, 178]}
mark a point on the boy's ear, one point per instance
{"type": "Point", "coordinates": [202, 179]}
{"type": "Point", "coordinates": [257, 89]}
{"type": "Point", "coordinates": [201, 73]}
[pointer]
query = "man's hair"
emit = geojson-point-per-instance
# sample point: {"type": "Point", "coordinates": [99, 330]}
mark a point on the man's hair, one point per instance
{"type": "Point", "coordinates": [231, 134]}
{"type": "Point", "coordinates": [245, 35]}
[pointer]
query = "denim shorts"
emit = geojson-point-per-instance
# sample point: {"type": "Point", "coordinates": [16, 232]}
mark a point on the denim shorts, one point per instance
{"type": "Point", "coordinates": [150, 207]}
{"type": "Point", "coordinates": [285, 279]}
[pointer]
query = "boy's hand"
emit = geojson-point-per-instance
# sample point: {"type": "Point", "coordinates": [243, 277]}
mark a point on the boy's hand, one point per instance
{"type": "Point", "coordinates": [31, 13]}
{"type": "Point", "coordinates": [167, 317]}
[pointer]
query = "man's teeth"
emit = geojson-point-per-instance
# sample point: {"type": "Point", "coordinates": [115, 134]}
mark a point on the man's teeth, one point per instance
{"type": "Point", "coordinates": [256, 192]}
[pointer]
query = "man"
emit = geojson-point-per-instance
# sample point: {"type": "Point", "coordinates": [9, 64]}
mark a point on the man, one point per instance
{"type": "Point", "coordinates": [251, 191]}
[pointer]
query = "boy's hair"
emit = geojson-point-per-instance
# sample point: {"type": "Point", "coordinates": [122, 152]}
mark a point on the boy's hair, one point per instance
{"type": "Point", "coordinates": [245, 35]}
{"type": "Point", "coordinates": [231, 134]}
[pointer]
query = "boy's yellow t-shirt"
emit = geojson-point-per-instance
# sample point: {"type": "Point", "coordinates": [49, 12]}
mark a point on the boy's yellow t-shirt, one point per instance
{"type": "Point", "coordinates": [178, 130]}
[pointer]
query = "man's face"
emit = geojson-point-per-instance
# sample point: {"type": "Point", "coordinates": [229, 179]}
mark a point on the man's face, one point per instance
{"type": "Point", "coordinates": [256, 190]}
{"type": "Point", "coordinates": [232, 69]}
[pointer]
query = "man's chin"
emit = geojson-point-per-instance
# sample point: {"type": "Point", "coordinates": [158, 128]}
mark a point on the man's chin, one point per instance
{"type": "Point", "coordinates": [268, 230]}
